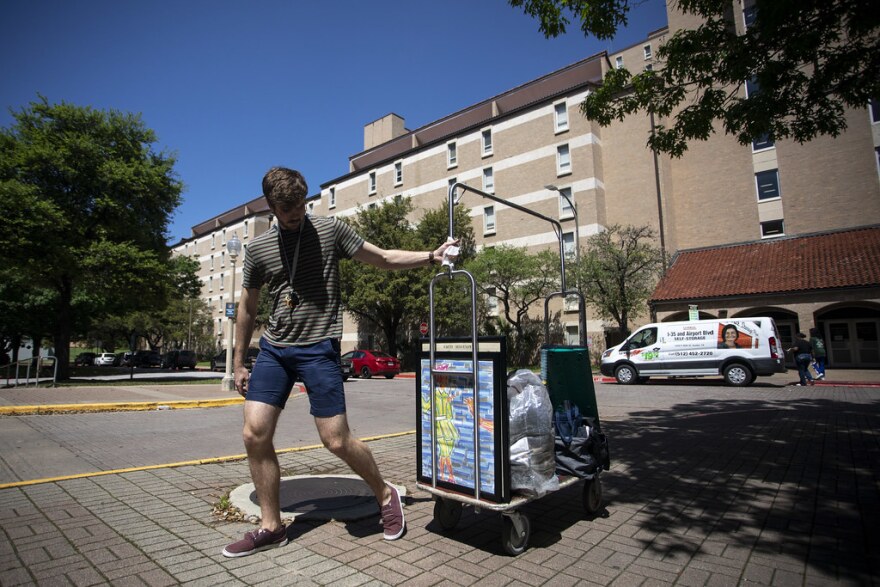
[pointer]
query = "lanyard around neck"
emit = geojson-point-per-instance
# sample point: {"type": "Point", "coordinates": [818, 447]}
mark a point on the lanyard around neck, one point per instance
{"type": "Point", "coordinates": [291, 267]}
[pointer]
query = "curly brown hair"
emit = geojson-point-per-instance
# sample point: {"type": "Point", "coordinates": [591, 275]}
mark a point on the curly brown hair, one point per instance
{"type": "Point", "coordinates": [284, 187]}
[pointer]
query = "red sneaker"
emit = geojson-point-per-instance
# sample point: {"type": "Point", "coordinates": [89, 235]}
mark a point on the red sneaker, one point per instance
{"type": "Point", "coordinates": [392, 517]}
{"type": "Point", "coordinates": [256, 541]}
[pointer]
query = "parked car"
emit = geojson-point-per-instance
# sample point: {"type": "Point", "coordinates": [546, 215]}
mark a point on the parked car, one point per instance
{"type": "Point", "coordinates": [218, 361]}
{"type": "Point", "coordinates": [345, 367]}
{"type": "Point", "coordinates": [179, 359]}
{"type": "Point", "coordinates": [146, 359]}
{"type": "Point", "coordinates": [125, 359]}
{"type": "Point", "coordinates": [84, 360]}
{"type": "Point", "coordinates": [366, 363]}
{"type": "Point", "coordinates": [105, 360]}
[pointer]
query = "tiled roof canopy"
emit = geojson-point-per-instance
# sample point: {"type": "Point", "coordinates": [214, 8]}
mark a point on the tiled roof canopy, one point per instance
{"type": "Point", "coordinates": [844, 259]}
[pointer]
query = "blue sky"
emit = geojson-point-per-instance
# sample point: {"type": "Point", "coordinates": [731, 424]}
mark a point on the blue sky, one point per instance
{"type": "Point", "coordinates": [234, 87]}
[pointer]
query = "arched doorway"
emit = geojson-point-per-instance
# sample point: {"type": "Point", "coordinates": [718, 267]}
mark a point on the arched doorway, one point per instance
{"type": "Point", "coordinates": [852, 336]}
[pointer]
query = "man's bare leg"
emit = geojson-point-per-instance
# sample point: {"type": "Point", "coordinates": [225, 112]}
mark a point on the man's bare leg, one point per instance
{"type": "Point", "coordinates": [259, 430]}
{"type": "Point", "coordinates": [336, 436]}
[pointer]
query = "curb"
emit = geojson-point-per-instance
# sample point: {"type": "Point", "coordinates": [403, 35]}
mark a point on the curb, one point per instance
{"type": "Point", "coordinates": [117, 407]}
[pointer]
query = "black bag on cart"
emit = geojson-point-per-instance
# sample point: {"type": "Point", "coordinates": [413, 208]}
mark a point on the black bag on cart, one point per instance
{"type": "Point", "coordinates": [580, 449]}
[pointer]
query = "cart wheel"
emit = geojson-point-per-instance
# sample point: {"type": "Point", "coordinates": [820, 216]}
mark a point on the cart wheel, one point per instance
{"type": "Point", "coordinates": [592, 495]}
{"type": "Point", "coordinates": [515, 533]}
{"type": "Point", "coordinates": [447, 513]}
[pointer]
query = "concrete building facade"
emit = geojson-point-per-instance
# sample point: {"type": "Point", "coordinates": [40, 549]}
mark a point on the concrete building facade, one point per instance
{"type": "Point", "coordinates": [720, 193]}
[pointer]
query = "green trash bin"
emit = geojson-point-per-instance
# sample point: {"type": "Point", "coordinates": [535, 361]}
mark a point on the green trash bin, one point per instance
{"type": "Point", "coordinates": [566, 372]}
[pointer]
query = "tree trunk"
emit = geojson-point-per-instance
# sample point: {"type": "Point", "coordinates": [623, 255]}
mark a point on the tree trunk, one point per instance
{"type": "Point", "coordinates": [63, 327]}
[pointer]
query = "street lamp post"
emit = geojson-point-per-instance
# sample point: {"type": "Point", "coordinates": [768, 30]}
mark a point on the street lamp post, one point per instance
{"type": "Point", "coordinates": [233, 247]}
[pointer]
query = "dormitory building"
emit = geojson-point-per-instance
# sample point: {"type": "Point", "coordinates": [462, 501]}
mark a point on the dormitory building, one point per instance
{"type": "Point", "coordinates": [778, 229]}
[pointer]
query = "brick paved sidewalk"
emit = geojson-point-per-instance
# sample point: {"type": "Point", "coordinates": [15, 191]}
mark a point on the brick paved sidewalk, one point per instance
{"type": "Point", "coordinates": [774, 488]}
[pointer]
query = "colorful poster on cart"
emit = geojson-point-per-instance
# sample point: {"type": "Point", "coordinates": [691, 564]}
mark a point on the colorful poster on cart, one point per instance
{"type": "Point", "coordinates": [469, 429]}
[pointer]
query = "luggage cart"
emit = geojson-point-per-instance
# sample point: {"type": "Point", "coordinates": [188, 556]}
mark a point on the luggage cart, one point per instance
{"type": "Point", "coordinates": [449, 501]}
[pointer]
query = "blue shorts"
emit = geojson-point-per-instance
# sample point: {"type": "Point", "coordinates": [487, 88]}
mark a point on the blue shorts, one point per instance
{"type": "Point", "coordinates": [277, 368]}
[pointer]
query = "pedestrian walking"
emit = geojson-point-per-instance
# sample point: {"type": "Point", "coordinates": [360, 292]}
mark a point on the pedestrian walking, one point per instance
{"type": "Point", "coordinates": [819, 353]}
{"type": "Point", "coordinates": [803, 356]}
{"type": "Point", "coordinates": [298, 262]}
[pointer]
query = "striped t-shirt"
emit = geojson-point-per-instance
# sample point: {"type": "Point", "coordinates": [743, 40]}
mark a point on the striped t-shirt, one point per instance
{"type": "Point", "coordinates": [323, 243]}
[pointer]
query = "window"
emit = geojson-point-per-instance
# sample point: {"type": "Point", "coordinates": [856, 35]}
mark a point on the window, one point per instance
{"type": "Point", "coordinates": [214, 240]}
{"type": "Point", "coordinates": [210, 283]}
{"type": "Point", "coordinates": [212, 262]}
{"type": "Point", "coordinates": [618, 63]}
{"type": "Point", "coordinates": [491, 301]}
{"type": "Point", "coordinates": [561, 112]}
{"type": "Point", "coordinates": [223, 242]}
{"type": "Point", "coordinates": [752, 87]}
{"type": "Point", "coordinates": [768, 184]}
{"type": "Point", "coordinates": [565, 209]}
{"type": "Point", "coordinates": [220, 326]}
{"type": "Point", "coordinates": [222, 282]}
{"type": "Point", "coordinates": [488, 181]}
{"type": "Point", "coordinates": [489, 220]}
{"type": "Point", "coordinates": [245, 229]}
{"type": "Point", "coordinates": [571, 304]}
{"type": "Point", "coordinates": [763, 142]}
{"type": "Point", "coordinates": [372, 206]}
{"type": "Point", "coordinates": [452, 180]}
{"type": "Point", "coordinates": [372, 182]}
{"type": "Point", "coordinates": [649, 67]}
{"type": "Point", "coordinates": [563, 160]}
{"type": "Point", "coordinates": [486, 138]}
{"type": "Point", "coordinates": [749, 15]}
{"type": "Point", "coordinates": [875, 110]}
{"type": "Point", "coordinates": [451, 154]}
{"type": "Point", "coordinates": [772, 228]}
{"type": "Point", "coordinates": [311, 209]}
{"type": "Point", "coordinates": [331, 199]}
{"type": "Point", "coordinates": [398, 173]}
{"type": "Point", "coordinates": [223, 258]}
{"type": "Point", "coordinates": [647, 51]}
{"type": "Point", "coordinates": [568, 245]}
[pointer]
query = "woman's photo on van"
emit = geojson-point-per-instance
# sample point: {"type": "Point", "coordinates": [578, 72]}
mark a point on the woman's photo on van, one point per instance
{"type": "Point", "coordinates": [727, 336]}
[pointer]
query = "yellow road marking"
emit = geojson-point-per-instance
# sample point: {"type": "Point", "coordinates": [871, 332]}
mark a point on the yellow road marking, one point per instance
{"type": "Point", "coordinates": [210, 461]}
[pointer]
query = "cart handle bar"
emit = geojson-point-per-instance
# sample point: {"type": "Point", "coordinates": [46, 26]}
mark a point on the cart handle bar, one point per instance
{"type": "Point", "coordinates": [453, 200]}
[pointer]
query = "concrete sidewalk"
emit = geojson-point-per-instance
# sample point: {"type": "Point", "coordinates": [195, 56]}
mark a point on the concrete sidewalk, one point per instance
{"type": "Point", "coordinates": [766, 485]}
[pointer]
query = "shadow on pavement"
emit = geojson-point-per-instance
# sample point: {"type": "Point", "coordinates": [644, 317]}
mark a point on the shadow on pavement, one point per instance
{"type": "Point", "coordinates": [793, 482]}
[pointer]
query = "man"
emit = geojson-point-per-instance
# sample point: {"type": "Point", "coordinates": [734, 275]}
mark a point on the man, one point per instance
{"type": "Point", "coordinates": [298, 259]}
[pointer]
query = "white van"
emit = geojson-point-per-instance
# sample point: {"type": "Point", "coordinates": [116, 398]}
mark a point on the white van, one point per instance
{"type": "Point", "coordinates": [738, 349]}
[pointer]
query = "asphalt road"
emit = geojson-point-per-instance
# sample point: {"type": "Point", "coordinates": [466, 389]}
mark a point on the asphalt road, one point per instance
{"type": "Point", "coordinates": [46, 446]}
{"type": "Point", "coordinates": [43, 446]}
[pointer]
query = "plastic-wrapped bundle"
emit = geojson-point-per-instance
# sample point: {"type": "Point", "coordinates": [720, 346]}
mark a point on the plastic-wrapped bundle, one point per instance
{"type": "Point", "coordinates": [532, 450]}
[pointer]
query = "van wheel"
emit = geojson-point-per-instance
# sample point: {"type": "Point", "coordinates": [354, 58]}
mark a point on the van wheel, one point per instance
{"type": "Point", "coordinates": [626, 374]}
{"type": "Point", "coordinates": [737, 375]}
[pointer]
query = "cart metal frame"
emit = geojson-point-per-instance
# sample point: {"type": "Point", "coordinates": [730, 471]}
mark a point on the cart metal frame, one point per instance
{"type": "Point", "coordinates": [448, 504]}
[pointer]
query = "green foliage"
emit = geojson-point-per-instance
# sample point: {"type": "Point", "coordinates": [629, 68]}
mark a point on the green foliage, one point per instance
{"type": "Point", "coordinates": [86, 201]}
{"type": "Point", "coordinates": [618, 271]}
{"type": "Point", "coordinates": [392, 303]}
{"type": "Point", "coordinates": [518, 280]}
{"type": "Point", "coordinates": [810, 59]}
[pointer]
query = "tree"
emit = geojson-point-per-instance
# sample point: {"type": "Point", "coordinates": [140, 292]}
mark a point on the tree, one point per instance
{"type": "Point", "coordinates": [517, 280]}
{"type": "Point", "coordinates": [389, 300]}
{"type": "Point", "coordinates": [805, 61]}
{"type": "Point", "coordinates": [86, 201]}
{"type": "Point", "coordinates": [618, 271]}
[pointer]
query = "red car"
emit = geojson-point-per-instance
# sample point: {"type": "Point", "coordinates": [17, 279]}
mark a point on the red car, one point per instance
{"type": "Point", "coordinates": [368, 363]}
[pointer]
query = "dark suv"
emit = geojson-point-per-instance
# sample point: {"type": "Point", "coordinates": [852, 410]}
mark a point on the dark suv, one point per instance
{"type": "Point", "coordinates": [218, 361]}
{"type": "Point", "coordinates": [146, 359]}
{"type": "Point", "coordinates": [84, 360]}
{"type": "Point", "coordinates": [179, 360]}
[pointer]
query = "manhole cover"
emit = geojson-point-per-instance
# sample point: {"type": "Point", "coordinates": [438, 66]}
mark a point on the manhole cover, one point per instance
{"type": "Point", "coordinates": [316, 497]}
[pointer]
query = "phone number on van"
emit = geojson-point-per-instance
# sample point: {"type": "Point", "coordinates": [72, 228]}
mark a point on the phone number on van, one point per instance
{"type": "Point", "coordinates": [691, 353]}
